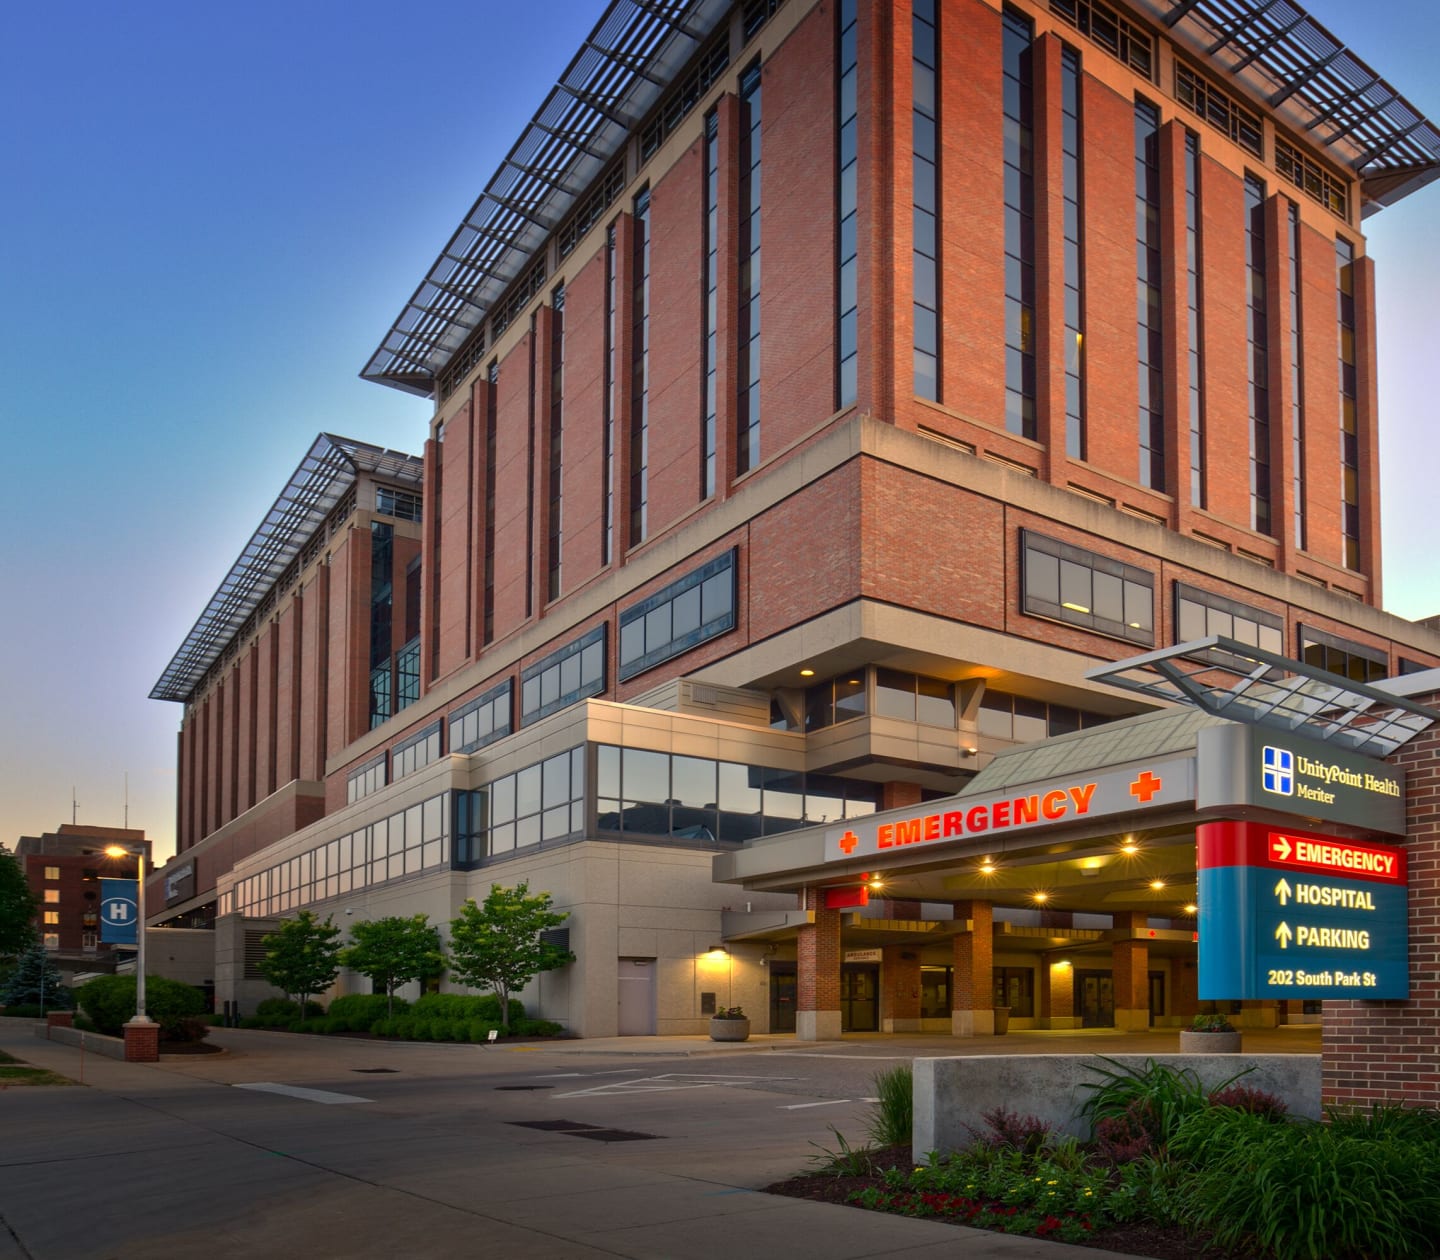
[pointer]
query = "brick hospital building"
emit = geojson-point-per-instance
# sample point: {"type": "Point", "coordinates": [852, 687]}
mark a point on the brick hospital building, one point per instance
{"type": "Point", "coordinates": [822, 390]}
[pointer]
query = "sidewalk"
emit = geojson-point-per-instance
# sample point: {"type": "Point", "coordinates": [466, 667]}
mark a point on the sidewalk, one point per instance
{"type": "Point", "coordinates": [370, 1180]}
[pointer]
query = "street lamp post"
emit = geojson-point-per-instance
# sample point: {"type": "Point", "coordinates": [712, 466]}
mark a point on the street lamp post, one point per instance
{"type": "Point", "coordinates": [116, 850]}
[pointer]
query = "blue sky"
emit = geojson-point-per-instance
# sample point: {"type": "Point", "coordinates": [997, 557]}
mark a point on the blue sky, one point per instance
{"type": "Point", "coordinates": [212, 215]}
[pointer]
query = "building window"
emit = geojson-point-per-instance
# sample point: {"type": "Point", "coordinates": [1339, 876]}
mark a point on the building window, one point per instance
{"type": "Point", "coordinates": [564, 677]}
{"type": "Point", "coordinates": [935, 985]}
{"type": "Point", "coordinates": [1349, 404]}
{"type": "Point", "coordinates": [482, 721]}
{"type": "Point", "coordinates": [404, 505]}
{"type": "Point", "coordinates": [609, 402]}
{"type": "Point", "coordinates": [407, 675]}
{"type": "Point", "coordinates": [382, 554]}
{"type": "Point", "coordinates": [491, 433]}
{"type": "Point", "coordinates": [1258, 358]}
{"type": "Point", "coordinates": [914, 698]}
{"type": "Point", "coordinates": [926, 148]}
{"type": "Point", "coordinates": [52, 917]}
{"type": "Point", "coordinates": [1312, 179]}
{"type": "Point", "coordinates": [1018, 95]}
{"type": "Point", "coordinates": [1069, 584]}
{"type": "Point", "coordinates": [847, 206]}
{"type": "Point", "coordinates": [640, 375]}
{"type": "Point", "coordinates": [52, 896]}
{"type": "Point", "coordinates": [405, 843]}
{"type": "Point", "coordinates": [52, 940]}
{"type": "Point", "coordinates": [89, 940]}
{"type": "Point", "coordinates": [1015, 988]}
{"type": "Point", "coordinates": [366, 779]}
{"type": "Point", "coordinates": [1102, 24]}
{"type": "Point", "coordinates": [1023, 720]}
{"type": "Point", "coordinates": [685, 95]}
{"type": "Point", "coordinates": [698, 607]}
{"type": "Point", "coordinates": [747, 445]}
{"type": "Point", "coordinates": [835, 700]}
{"type": "Point", "coordinates": [1150, 332]}
{"type": "Point", "coordinates": [1297, 383]}
{"type": "Point", "coordinates": [710, 310]}
{"type": "Point", "coordinates": [545, 801]}
{"type": "Point", "coordinates": [1407, 666]}
{"type": "Point", "coordinates": [1355, 661]}
{"type": "Point", "coordinates": [1199, 614]}
{"type": "Point", "coordinates": [52, 872]}
{"type": "Point", "coordinates": [1195, 391]}
{"type": "Point", "coordinates": [1071, 182]}
{"type": "Point", "coordinates": [591, 210]}
{"type": "Point", "coordinates": [654, 794]}
{"type": "Point", "coordinates": [1220, 110]}
{"type": "Point", "coordinates": [416, 752]}
{"type": "Point", "coordinates": [555, 530]}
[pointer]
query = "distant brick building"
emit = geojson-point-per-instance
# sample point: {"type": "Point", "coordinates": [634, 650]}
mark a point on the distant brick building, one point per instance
{"type": "Point", "coordinates": [701, 551]}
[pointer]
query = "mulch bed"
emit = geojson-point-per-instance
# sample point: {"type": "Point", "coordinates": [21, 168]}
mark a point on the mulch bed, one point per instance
{"type": "Point", "coordinates": [1130, 1240]}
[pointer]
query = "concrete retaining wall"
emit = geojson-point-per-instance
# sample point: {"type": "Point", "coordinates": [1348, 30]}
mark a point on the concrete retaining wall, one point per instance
{"type": "Point", "coordinates": [951, 1094]}
{"type": "Point", "coordinates": [96, 1043]}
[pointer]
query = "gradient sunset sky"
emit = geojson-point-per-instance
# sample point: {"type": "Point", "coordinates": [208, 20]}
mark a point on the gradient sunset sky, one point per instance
{"type": "Point", "coordinates": [212, 216]}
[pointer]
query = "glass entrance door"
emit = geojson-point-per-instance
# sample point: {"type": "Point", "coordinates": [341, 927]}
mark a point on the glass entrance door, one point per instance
{"type": "Point", "coordinates": [859, 998]}
{"type": "Point", "coordinates": [1095, 999]}
{"type": "Point", "coordinates": [782, 997]}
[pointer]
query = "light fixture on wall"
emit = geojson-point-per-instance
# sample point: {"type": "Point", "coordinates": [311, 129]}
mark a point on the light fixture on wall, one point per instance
{"type": "Point", "coordinates": [717, 951]}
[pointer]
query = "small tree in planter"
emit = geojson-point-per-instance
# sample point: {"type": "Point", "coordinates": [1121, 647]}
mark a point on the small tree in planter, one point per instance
{"type": "Point", "coordinates": [393, 952]}
{"type": "Point", "coordinates": [301, 957]}
{"type": "Point", "coordinates": [1210, 1034]}
{"type": "Point", "coordinates": [730, 1023]}
{"type": "Point", "coordinates": [498, 945]}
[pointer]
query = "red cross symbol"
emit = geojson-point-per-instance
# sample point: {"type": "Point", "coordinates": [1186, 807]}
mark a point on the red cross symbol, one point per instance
{"type": "Point", "coordinates": [1145, 787]}
{"type": "Point", "coordinates": [848, 842]}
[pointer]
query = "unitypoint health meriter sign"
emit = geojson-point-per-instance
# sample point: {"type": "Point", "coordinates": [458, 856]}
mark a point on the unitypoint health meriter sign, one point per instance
{"type": "Point", "coordinates": [1292, 914]}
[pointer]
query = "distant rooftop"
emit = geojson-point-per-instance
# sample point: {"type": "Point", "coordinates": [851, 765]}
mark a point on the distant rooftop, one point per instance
{"type": "Point", "coordinates": [1272, 48]}
{"type": "Point", "coordinates": [323, 478]}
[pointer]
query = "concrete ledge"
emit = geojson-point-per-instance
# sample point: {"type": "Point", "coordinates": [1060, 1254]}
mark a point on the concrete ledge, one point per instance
{"type": "Point", "coordinates": [951, 1095]}
{"type": "Point", "coordinates": [96, 1043]}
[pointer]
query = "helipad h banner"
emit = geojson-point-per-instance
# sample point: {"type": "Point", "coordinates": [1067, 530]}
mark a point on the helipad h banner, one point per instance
{"type": "Point", "coordinates": [1292, 914]}
{"type": "Point", "coordinates": [965, 819]}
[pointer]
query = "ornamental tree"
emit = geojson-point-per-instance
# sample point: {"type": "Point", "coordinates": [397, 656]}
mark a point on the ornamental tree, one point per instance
{"type": "Point", "coordinates": [498, 945]}
{"type": "Point", "coordinates": [17, 907]}
{"type": "Point", "coordinates": [393, 952]}
{"type": "Point", "coordinates": [36, 981]}
{"type": "Point", "coordinates": [301, 957]}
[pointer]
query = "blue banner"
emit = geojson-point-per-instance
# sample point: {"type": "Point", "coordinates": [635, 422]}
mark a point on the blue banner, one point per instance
{"type": "Point", "coordinates": [118, 911]}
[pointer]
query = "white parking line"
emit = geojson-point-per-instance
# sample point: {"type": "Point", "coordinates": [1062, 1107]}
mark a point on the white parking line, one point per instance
{"type": "Point", "coordinates": [669, 1081]}
{"type": "Point", "coordinates": [299, 1091]}
{"type": "Point", "coordinates": [829, 1102]}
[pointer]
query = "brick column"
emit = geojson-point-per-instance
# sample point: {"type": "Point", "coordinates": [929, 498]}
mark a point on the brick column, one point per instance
{"type": "Point", "coordinates": [1372, 1051]}
{"type": "Point", "coordinates": [142, 1042]}
{"type": "Point", "coordinates": [900, 989]}
{"type": "Point", "coordinates": [817, 983]}
{"type": "Point", "coordinates": [972, 1011]}
{"type": "Point", "coordinates": [1130, 970]}
{"type": "Point", "coordinates": [1057, 993]}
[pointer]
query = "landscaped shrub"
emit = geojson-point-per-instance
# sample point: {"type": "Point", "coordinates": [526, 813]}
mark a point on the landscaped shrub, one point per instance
{"type": "Point", "coordinates": [1154, 1097]}
{"type": "Point", "coordinates": [1010, 1130]}
{"type": "Point", "coordinates": [282, 1012]}
{"type": "Point", "coordinates": [465, 1006]}
{"type": "Point", "coordinates": [28, 1010]}
{"type": "Point", "coordinates": [359, 1012]}
{"type": "Point", "coordinates": [1246, 1098]}
{"type": "Point", "coordinates": [534, 1028]}
{"type": "Point", "coordinates": [892, 1123]}
{"type": "Point", "coordinates": [109, 1001]}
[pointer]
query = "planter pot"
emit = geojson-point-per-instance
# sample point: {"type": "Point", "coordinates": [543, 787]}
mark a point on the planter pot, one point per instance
{"type": "Point", "coordinates": [729, 1030]}
{"type": "Point", "coordinates": [1209, 1042]}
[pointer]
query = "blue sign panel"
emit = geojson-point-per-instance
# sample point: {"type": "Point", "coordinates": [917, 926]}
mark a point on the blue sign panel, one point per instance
{"type": "Point", "coordinates": [1299, 916]}
{"type": "Point", "coordinates": [118, 911]}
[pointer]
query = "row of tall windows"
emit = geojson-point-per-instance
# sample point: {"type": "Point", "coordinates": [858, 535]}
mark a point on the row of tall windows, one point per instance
{"type": "Point", "coordinates": [1193, 365]}
{"type": "Point", "coordinates": [608, 401]}
{"type": "Point", "coordinates": [382, 599]}
{"type": "Point", "coordinates": [1149, 339]}
{"type": "Point", "coordinates": [1297, 382]}
{"type": "Point", "coordinates": [1018, 104]}
{"type": "Point", "coordinates": [925, 130]}
{"type": "Point", "coordinates": [1257, 354]}
{"type": "Point", "coordinates": [640, 374]}
{"type": "Point", "coordinates": [491, 436]}
{"type": "Point", "coordinates": [555, 515]}
{"type": "Point", "coordinates": [1070, 189]}
{"type": "Point", "coordinates": [747, 453]}
{"type": "Point", "coordinates": [847, 207]}
{"type": "Point", "coordinates": [1349, 423]}
{"type": "Point", "coordinates": [711, 309]}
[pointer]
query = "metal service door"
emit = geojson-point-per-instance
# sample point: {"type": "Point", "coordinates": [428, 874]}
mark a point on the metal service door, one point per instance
{"type": "Point", "coordinates": [637, 997]}
{"type": "Point", "coordinates": [859, 998]}
{"type": "Point", "coordinates": [782, 997]}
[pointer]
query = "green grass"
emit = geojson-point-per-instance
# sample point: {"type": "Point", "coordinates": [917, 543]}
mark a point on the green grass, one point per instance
{"type": "Point", "coordinates": [20, 1075]}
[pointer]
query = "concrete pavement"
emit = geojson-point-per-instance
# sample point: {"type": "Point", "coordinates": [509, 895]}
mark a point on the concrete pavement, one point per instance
{"type": "Point", "coordinates": [420, 1150]}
